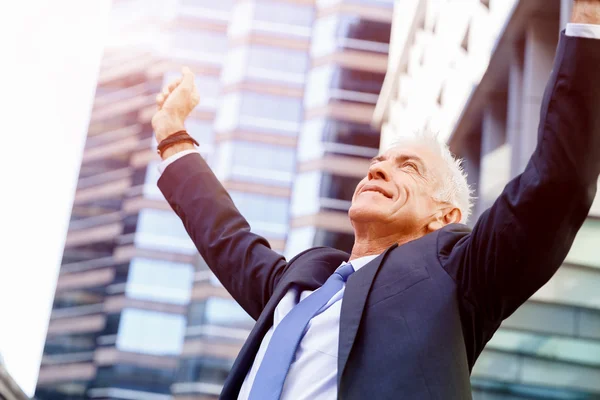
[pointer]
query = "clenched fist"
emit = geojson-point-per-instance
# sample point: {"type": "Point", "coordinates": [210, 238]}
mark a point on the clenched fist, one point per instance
{"type": "Point", "coordinates": [175, 103]}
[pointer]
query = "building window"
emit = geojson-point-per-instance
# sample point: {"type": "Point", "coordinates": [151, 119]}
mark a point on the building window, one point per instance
{"type": "Point", "coordinates": [223, 5]}
{"type": "Point", "coordinates": [201, 45]}
{"type": "Point", "coordinates": [267, 215]}
{"type": "Point", "coordinates": [265, 64]}
{"type": "Point", "coordinates": [200, 130]}
{"type": "Point", "coordinates": [158, 280]}
{"type": "Point", "coordinates": [257, 111]}
{"type": "Point", "coordinates": [336, 240]}
{"type": "Point", "coordinates": [64, 344]}
{"type": "Point", "coordinates": [135, 377]}
{"type": "Point", "coordinates": [151, 332]}
{"type": "Point", "coordinates": [330, 82]}
{"type": "Point", "coordinates": [256, 162]}
{"type": "Point", "coordinates": [273, 17]}
{"type": "Point", "coordinates": [76, 298]}
{"type": "Point", "coordinates": [320, 137]}
{"type": "Point", "coordinates": [305, 195]}
{"type": "Point", "coordinates": [298, 240]}
{"type": "Point", "coordinates": [350, 32]}
{"type": "Point", "coordinates": [338, 187]}
{"type": "Point", "coordinates": [204, 370]}
{"type": "Point", "coordinates": [585, 249]}
{"type": "Point", "coordinates": [162, 230]}
{"type": "Point", "coordinates": [315, 191]}
{"type": "Point", "coordinates": [283, 13]}
{"type": "Point", "coordinates": [219, 311]}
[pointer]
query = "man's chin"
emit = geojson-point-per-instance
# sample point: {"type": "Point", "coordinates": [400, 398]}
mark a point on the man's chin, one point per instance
{"type": "Point", "coordinates": [359, 214]}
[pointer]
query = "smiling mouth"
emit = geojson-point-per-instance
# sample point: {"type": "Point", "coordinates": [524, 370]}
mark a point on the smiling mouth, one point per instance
{"type": "Point", "coordinates": [373, 190]}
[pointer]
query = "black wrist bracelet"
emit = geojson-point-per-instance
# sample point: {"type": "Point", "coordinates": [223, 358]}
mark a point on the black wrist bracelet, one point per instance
{"type": "Point", "coordinates": [177, 137]}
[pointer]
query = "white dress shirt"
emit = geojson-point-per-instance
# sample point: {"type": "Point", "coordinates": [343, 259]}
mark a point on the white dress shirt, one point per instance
{"type": "Point", "coordinates": [313, 373]}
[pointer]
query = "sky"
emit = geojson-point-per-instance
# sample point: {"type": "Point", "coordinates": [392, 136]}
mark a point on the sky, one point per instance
{"type": "Point", "coordinates": [51, 51]}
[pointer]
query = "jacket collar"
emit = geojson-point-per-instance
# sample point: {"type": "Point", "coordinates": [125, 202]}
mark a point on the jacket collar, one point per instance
{"type": "Point", "coordinates": [355, 297]}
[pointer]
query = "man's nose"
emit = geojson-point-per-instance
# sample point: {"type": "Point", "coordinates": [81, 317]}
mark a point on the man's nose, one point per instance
{"type": "Point", "coordinates": [378, 171]}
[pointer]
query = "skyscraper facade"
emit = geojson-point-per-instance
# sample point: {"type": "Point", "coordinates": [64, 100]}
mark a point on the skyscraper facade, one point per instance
{"type": "Point", "coordinates": [349, 49]}
{"type": "Point", "coordinates": [288, 89]}
{"type": "Point", "coordinates": [550, 347]}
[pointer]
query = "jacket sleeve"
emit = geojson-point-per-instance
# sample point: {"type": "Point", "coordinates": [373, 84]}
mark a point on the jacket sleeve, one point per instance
{"type": "Point", "coordinates": [519, 243]}
{"type": "Point", "coordinates": [241, 260]}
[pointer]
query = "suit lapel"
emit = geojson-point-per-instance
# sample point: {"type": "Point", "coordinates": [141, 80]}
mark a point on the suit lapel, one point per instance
{"type": "Point", "coordinates": [353, 304]}
{"type": "Point", "coordinates": [304, 278]}
{"type": "Point", "coordinates": [245, 357]}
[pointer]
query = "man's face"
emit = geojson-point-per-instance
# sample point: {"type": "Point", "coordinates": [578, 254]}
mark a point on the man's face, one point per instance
{"type": "Point", "coordinates": [399, 188]}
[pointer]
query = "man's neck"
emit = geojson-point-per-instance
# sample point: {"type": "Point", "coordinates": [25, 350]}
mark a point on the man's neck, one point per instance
{"type": "Point", "coordinates": [368, 246]}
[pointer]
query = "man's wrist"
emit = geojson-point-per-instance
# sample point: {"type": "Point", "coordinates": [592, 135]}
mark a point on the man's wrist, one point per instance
{"type": "Point", "coordinates": [586, 12]}
{"type": "Point", "coordinates": [176, 148]}
{"type": "Point", "coordinates": [165, 125]}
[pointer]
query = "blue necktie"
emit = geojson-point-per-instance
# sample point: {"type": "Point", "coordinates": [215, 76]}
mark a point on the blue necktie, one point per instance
{"type": "Point", "coordinates": [274, 367]}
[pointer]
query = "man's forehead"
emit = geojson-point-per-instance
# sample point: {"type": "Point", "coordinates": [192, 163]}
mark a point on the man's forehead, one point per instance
{"type": "Point", "coordinates": [409, 150]}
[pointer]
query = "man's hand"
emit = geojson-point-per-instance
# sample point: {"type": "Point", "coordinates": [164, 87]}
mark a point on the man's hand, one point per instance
{"type": "Point", "coordinates": [586, 12]}
{"type": "Point", "coordinates": [175, 103]}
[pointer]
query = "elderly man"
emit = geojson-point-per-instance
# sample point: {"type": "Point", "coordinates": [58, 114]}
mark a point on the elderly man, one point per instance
{"type": "Point", "coordinates": [409, 311]}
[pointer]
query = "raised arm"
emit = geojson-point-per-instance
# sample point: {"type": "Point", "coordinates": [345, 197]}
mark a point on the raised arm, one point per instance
{"type": "Point", "coordinates": [242, 260]}
{"type": "Point", "coordinates": [519, 243]}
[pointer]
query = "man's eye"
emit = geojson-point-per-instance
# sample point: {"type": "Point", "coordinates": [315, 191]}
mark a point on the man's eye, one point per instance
{"type": "Point", "coordinates": [410, 165]}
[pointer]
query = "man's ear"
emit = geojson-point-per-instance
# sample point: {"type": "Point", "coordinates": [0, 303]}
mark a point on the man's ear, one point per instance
{"type": "Point", "coordinates": [444, 217]}
{"type": "Point", "coordinates": [452, 216]}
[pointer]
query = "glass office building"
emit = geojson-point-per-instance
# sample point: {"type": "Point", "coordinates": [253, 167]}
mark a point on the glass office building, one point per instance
{"type": "Point", "coordinates": [287, 91]}
{"type": "Point", "coordinates": [550, 347]}
{"type": "Point", "coordinates": [349, 50]}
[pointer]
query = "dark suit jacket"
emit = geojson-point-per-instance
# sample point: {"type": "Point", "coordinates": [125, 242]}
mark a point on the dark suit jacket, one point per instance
{"type": "Point", "coordinates": [415, 319]}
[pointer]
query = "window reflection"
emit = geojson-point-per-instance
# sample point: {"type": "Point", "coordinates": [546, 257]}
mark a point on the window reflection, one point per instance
{"type": "Point", "coordinates": [265, 64]}
{"type": "Point", "coordinates": [267, 215]}
{"type": "Point", "coordinates": [204, 370]}
{"type": "Point", "coordinates": [202, 45]}
{"type": "Point", "coordinates": [576, 350]}
{"type": "Point", "coordinates": [315, 133]}
{"type": "Point", "coordinates": [330, 82]}
{"type": "Point", "coordinates": [337, 240]}
{"type": "Point", "coordinates": [159, 280]}
{"type": "Point", "coordinates": [224, 5]}
{"type": "Point", "coordinates": [135, 377]}
{"type": "Point", "coordinates": [268, 113]}
{"type": "Point", "coordinates": [336, 77]}
{"type": "Point", "coordinates": [585, 249]}
{"type": "Point", "coordinates": [298, 240]}
{"type": "Point", "coordinates": [219, 311]}
{"type": "Point", "coordinates": [162, 230]}
{"type": "Point", "coordinates": [305, 195]}
{"type": "Point", "coordinates": [200, 130]}
{"type": "Point", "coordinates": [338, 187]}
{"type": "Point", "coordinates": [64, 344]}
{"type": "Point", "coordinates": [336, 32]}
{"type": "Point", "coordinates": [150, 332]}
{"type": "Point", "coordinates": [284, 18]}
{"type": "Point", "coordinates": [283, 13]}
{"type": "Point", "coordinates": [256, 162]}
{"type": "Point", "coordinates": [315, 191]}
{"type": "Point", "coordinates": [77, 298]}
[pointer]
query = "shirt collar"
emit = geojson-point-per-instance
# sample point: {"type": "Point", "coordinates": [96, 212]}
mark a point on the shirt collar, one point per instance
{"type": "Point", "coordinates": [360, 262]}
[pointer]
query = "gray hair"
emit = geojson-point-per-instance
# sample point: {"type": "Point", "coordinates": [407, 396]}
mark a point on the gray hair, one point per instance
{"type": "Point", "coordinates": [453, 188]}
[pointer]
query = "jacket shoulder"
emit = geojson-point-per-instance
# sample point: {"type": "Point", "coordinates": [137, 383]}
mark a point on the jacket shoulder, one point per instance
{"type": "Point", "coordinates": [322, 254]}
{"type": "Point", "coordinates": [448, 237]}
